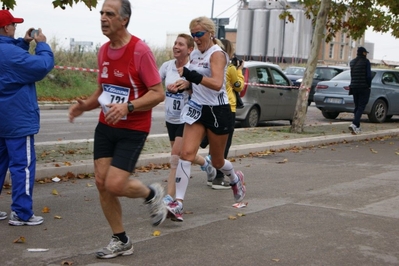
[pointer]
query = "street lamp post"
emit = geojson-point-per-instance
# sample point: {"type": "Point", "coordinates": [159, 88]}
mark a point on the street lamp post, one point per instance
{"type": "Point", "coordinates": [213, 4]}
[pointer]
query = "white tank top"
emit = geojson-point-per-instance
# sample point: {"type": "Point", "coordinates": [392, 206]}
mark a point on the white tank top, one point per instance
{"type": "Point", "coordinates": [200, 62]}
{"type": "Point", "coordinates": [174, 102]}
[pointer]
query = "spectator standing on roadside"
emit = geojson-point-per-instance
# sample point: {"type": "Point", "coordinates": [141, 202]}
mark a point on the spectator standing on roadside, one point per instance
{"type": "Point", "coordinates": [207, 112]}
{"type": "Point", "coordinates": [360, 86]}
{"type": "Point", "coordinates": [174, 103]}
{"type": "Point", "coordinates": [129, 87]}
{"type": "Point", "coordinates": [20, 118]}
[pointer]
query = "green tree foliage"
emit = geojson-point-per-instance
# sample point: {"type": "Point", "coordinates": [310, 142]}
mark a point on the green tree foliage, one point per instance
{"type": "Point", "coordinates": [355, 16]}
{"type": "Point", "coordinates": [10, 4]}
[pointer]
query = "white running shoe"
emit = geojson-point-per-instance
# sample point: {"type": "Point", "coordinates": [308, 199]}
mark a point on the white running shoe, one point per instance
{"type": "Point", "coordinates": [15, 220]}
{"type": "Point", "coordinates": [115, 248]}
{"type": "Point", "coordinates": [156, 206]}
{"type": "Point", "coordinates": [239, 189]}
{"type": "Point", "coordinates": [209, 169]}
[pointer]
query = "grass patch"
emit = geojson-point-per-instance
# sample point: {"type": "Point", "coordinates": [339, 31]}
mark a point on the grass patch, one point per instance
{"type": "Point", "coordinates": [67, 85]}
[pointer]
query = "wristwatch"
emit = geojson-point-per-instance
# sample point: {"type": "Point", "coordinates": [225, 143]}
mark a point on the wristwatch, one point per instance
{"type": "Point", "coordinates": [130, 107]}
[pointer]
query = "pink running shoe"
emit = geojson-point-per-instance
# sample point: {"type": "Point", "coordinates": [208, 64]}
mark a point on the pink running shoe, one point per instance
{"type": "Point", "coordinates": [175, 211]}
{"type": "Point", "coordinates": [239, 187]}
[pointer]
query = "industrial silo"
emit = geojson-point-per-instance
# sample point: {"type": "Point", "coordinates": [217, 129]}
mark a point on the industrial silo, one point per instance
{"type": "Point", "coordinates": [259, 33]}
{"type": "Point", "coordinates": [292, 35]}
{"type": "Point", "coordinates": [275, 35]}
{"type": "Point", "coordinates": [244, 32]}
{"type": "Point", "coordinates": [306, 37]}
{"type": "Point", "coordinates": [253, 4]}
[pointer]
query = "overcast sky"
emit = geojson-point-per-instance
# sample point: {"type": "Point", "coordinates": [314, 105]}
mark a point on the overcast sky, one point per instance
{"type": "Point", "coordinates": [151, 20]}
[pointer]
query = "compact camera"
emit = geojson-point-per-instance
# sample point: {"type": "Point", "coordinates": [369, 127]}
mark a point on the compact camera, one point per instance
{"type": "Point", "coordinates": [236, 62]}
{"type": "Point", "coordinates": [33, 32]}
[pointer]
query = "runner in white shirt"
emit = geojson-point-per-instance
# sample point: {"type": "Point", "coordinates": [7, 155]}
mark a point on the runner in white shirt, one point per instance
{"type": "Point", "coordinates": [175, 100]}
{"type": "Point", "coordinates": [207, 112]}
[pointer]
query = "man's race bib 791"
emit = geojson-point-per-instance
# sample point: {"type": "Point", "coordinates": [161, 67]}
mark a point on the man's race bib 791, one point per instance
{"type": "Point", "coordinates": [113, 94]}
{"type": "Point", "coordinates": [191, 112]}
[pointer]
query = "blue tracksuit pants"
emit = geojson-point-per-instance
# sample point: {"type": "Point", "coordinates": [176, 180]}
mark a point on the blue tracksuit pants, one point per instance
{"type": "Point", "coordinates": [18, 155]}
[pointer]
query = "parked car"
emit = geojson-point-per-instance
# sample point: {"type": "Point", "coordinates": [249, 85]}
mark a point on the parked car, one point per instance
{"type": "Point", "coordinates": [322, 73]}
{"type": "Point", "coordinates": [267, 95]}
{"type": "Point", "coordinates": [332, 97]}
{"type": "Point", "coordinates": [294, 72]}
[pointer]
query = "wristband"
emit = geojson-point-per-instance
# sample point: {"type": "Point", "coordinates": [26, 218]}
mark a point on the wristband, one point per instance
{"type": "Point", "coordinates": [192, 75]}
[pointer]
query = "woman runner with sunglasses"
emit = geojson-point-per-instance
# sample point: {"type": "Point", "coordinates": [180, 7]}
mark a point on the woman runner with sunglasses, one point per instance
{"type": "Point", "coordinates": [176, 97]}
{"type": "Point", "coordinates": [207, 112]}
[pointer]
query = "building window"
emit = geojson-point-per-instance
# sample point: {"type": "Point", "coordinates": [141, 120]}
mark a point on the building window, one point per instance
{"type": "Point", "coordinates": [341, 52]}
{"type": "Point", "coordinates": [331, 54]}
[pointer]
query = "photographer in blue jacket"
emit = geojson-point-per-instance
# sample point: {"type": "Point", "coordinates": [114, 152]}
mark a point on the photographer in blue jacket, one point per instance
{"type": "Point", "coordinates": [19, 113]}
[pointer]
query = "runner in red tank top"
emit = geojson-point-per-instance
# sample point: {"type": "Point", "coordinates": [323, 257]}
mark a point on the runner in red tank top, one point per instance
{"type": "Point", "coordinates": [129, 87]}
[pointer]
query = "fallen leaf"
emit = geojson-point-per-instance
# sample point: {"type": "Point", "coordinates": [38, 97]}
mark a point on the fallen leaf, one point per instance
{"type": "Point", "coordinates": [57, 217]}
{"type": "Point", "coordinates": [156, 233]}
{"type": "Point", "coordinates": [46, 210]}
{"type": "Point", "coordinates": [240, 214]}
{"type": "Point", "coordinates": [54, 192]}
{"type": "Point", "coordinates": [70, 175]}
{"type": "Point", "coordinates": [188, 212]}
{"type": "Point", "coordinates": [89, 185]}
{"type": "Point", "coordinates": [276, 260]}
{"type": "Point", "coordinates": [373, 151]}
{"type": "Point", "coordinates": [87, 199]}
{"type": "Point", "coordinates": [397, 153]}
{"type": "Point", "coordinates": [231, 217]}
{"type": "Point", "coordinates": [67, 163]}
{"type": "Point", "coordinates": [20, 239]}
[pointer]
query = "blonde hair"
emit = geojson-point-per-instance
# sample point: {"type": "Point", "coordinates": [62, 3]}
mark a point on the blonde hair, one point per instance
{"type": "Point", "coordinates": [188, 38]}
{"type": "Point", "coordinates": [227, 46]}
{"type": "Point", "coordinates": [205, 23]}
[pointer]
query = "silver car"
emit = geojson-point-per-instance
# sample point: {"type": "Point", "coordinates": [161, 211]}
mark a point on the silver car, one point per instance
{"type": "Point", "coordinates": [267, 95]}
{"type": "Point", "coordinates": [332, 98]}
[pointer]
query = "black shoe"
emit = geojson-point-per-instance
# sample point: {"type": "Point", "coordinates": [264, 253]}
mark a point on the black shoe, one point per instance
{"type": "Point", "coordinates": [220, 183]}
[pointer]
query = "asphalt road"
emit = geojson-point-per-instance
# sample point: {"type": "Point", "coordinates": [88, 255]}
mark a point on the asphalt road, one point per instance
{"type": "Point", "coordinates": [326, 205]}
{"type": "Point", "coordinates": [55, 125]}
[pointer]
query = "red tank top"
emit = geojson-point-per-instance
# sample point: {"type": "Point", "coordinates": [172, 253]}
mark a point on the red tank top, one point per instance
{"type": "Point", "coordinates": [121, 82]}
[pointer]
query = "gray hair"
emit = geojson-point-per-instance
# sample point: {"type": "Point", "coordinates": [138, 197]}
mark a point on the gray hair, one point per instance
{"type": "Point", "coordinates": [125, 11]}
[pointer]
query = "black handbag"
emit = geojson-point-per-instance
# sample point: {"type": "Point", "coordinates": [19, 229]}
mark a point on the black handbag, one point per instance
{"type": "Point", "coordinates": [239, 103]}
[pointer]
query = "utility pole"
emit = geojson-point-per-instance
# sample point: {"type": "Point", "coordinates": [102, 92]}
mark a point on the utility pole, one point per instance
{"type": "Point", "coordinates": [213, 4]}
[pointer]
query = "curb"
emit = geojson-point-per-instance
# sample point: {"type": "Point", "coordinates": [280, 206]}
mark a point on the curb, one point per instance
{"type": "Point", "coordinates": [86, 166]}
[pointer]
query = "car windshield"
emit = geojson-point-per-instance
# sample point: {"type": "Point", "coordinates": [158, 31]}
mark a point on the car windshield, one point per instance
{"type": "Point", "coordinates": [294, 71]}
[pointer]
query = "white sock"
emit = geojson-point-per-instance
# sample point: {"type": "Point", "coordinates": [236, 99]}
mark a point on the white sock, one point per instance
{"type": "Point", "coordinates": [228, 170]}
{"type": "Point", "coordinates": [183, 172]}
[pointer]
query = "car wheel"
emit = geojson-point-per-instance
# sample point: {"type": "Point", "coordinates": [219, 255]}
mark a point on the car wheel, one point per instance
{"type": "Point", "coordinates": [378, 113]}
{"type": "Point", "coordinates": [330, 115]}
{"type": "Point", "coordinates": [252, 118]}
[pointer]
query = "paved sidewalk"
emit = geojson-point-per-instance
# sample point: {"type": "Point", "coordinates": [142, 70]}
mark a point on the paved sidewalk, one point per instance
{"type": "Point", "coordinates": [327, 205]}
{"type": "Point", "coordinates": [332, 133]}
